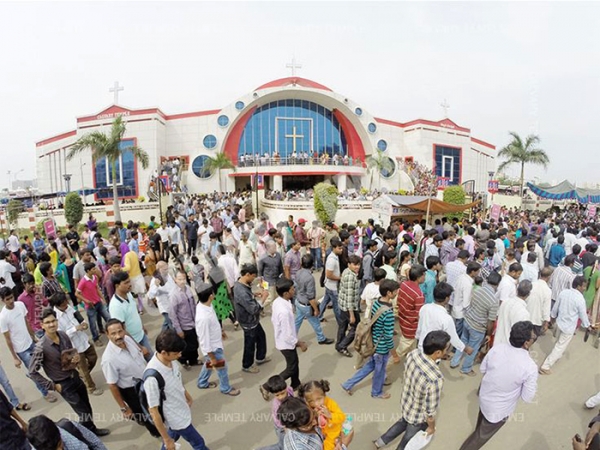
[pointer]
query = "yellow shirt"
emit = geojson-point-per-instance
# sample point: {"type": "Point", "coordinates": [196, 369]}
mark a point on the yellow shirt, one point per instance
{"type": "Point", "coordinates": [333, 429]}
{"type": "Point", "coordinates": [54, 259]}
{"type": "Point", "coordinates": [132, 264]}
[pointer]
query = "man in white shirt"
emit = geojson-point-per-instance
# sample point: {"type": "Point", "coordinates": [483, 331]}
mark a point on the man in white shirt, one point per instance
{"type": "Point", "coordinates": [462, 294]}
{"type": "Point", "coordinates": [176, 406]}
{"type": "Point", "coordinates": [122, 364]}
{"type": "Point", "coordinates": [161, 287]}
{"type": "Point", "coordinates": [247, 250]}
{"type": "Point", "coordinates": [204, 231]}
{"type": "Point", "coordinates": [539, 302]}
{"type": "Point", "coordinates": [284, 328]}
{"type": "Point", "coordinates": [6, 269]}
{"type": "Point", "coordinates": [512, 311]}
{"type": "Point", "coordinates": [174, 234]}
{"type": "Point", "coordinates": [509, 373]}
{"type": "Point", "coordinates": [227, 263]}
{"type": "Point", "coordinates": [65, 314]}
{"type": "Point", "coordinates": [434, 317]}
{"type": "Point", "coordinates": [13, 243]}
{"type": "Point", "coordinates": [164, 240]}
{"type": "Point", "coordinates": [210, 339]}
{"type": "Point", "coordinates": [508, 286]}
{"type": "Point", "coordinates": [530, 268]}
{"type": "Point", "coordinates": [567, 310]}
{"type": "Point", "coordinates": [18, 334]}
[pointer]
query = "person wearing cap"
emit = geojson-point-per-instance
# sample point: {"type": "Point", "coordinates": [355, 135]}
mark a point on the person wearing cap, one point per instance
{"type": "Point", "coordinates": [300, 233]}
{"type": "Point", "coordinates": [314, 235]}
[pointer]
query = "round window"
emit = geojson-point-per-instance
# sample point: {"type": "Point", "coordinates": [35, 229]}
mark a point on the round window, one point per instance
{"type": "Point", "coordinates": [372, 128]}
{"type": "Point", "coordinates": [210, 141]}
{"type": "Point", "coordinates": [199, 167]}
{"type": "Point", "coordinates": [239, 105]}
{"type": "Point", "coordinates": [382, 145]}
{"type": "Point", "coordinates": [388, 168]}
{"type": "Point", "coordinates": [223, 120]}
{"type": "Point", "coordinates": [358, 111]}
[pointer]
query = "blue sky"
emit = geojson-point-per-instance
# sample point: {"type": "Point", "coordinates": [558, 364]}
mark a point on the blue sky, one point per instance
{"type": "Point", "coordinates": [527, 67]}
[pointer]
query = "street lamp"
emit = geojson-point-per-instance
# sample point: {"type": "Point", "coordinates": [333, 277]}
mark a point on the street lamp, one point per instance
{"type": "Point", "coordinates": [490, 189]}
{"type": "Point", "coordinates": [67, 177]}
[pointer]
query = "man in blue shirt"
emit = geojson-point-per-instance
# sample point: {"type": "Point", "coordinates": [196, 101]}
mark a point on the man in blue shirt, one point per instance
{"type": "Point", "coordinates": [433, 267]}
{"type": "Point", "coordinates": [557, 251]}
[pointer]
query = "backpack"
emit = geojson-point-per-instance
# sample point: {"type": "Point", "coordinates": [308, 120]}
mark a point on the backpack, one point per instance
{"type": "Point", "coordinates": [139, 389]}
{"type": "Point", "coordinates": [363, 339]}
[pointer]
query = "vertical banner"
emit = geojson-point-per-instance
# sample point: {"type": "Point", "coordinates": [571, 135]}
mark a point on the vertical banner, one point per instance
{"type": "Point", "coordinates": [49, 228]}
{"type": "Point", "coordinates": [495, 212]}
{"type": "Point", "coordinates": [592, 211]}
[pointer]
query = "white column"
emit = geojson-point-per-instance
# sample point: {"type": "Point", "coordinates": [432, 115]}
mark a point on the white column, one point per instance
{"type": "Point", "coordinates": [277, 183]}
{"type": "Point", "coordinates": [341, 182]}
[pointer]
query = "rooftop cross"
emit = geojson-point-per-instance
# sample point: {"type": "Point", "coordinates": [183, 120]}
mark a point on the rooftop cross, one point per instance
{"type": "Point", "coordinates": [446, 106]}
{"type": "Point", "coordinates": [293, 65]}
{"type": "Point", "coordinates": [116, 88]}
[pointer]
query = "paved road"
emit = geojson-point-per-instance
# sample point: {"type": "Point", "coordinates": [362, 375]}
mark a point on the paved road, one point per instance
{"type": "Point", "coordinates": [243, 422]}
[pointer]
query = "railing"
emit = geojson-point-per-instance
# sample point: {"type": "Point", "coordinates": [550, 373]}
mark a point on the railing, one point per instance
{"type": "Point", "coordinates": [256, 161]}
{"type": "Point", "coordinates": [308, 204]}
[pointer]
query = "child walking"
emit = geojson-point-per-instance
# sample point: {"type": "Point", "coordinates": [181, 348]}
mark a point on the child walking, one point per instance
{"type": "Point", "coordinates": [279, 390]}
{"type": "Point", "coordinates": [330, 417]}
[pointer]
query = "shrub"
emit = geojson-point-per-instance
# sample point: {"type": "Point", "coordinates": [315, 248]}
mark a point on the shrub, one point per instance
{"type": "Point", "coordinates": [455, 195]}
{"type": "Point", "coordinates": [73, 208]}
{"type": "Point", "coordinates": [13, 209]}
{"type": "Point", "coordinates": [325, 202]}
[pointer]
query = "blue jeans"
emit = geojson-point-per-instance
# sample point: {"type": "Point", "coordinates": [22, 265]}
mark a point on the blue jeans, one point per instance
{"type": "Point", "coordinates": [377, 364]}
{"type": "Point", "coordinates": [191, 435]}
{"type": "Point", "coordinates": [95, 314]}
{"type": "Point", "coordinates": [473, 339]}
{"type": "Point", "coordinates": [222, 372]}
{"type": "Point", "coordinates": [459, 323]}
{"type": "Point", "coordinates": [12, 397]}
{"type": "Point", "coordinates": [317, 260]}
{"type": "Point", "coordinates": [167, 324]}
{"type": "Point", "coordinates": [145, 342]}
{"type": "Point", "coordinates": [25, 356]}
{"type": "Point", "coordinates": [330, 296]}
{"type": "Point", "coordinates": [304, 311]}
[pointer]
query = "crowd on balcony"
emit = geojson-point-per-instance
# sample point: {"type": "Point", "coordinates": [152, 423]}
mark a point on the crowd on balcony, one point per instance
{"type": "Point", "coordinates": [299, 158]}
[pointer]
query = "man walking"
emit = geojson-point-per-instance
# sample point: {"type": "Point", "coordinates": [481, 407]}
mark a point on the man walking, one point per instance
{"type": "Point", "coordinates": [122, 364]}
{"type": "Point", "coordinates": [182, 312]}
{"type": "Point", "coordinates": [539, 302]}
{"type": "Point", "coordinates": [462, 294]}
{"type": "Point", "coordinates": [56, 355]}
{"type": "Point", "coordinates": [248, 307]}
{"type": "Point", "coordinates": [270, 268]}
{"type": "Point", "coordinates": [210, 339]}
{"type": "Point", "coordinates": [410, 302]}
{"type": "Point", "coordinates": [509, 373]}
{"type": "Point", "coordinates": [88, 292]}
{"type": "Point", "coordinates": [512, 311]}
{"type": "Point", "coordinates": [349, 304]}
{"type": "Point", "coordinates": [422, 391]}
{"type": "Point", "coordinates": [306, 301]}
{"type": "Point", "coordinates": [568, 309]}
{"type": "Point", "coordinates": [332, 279]}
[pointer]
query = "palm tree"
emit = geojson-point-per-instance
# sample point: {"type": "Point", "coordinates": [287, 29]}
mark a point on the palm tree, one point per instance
{"type": "Point", "coordinates": [107, 146]}
{"type": "Point", "coordinates": [519, 152]}
{"type": "Point", "coordinates": [378, 162]}
{"type": "Point", "coordinates": [218, 162]}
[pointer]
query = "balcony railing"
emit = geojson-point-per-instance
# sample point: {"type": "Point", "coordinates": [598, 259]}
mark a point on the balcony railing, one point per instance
{"type": "Point", "coordinates": [256, 161]}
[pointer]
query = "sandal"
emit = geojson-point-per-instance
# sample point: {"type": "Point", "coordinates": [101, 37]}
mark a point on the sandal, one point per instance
{"type": "Point", "coordinates": [23, 407]}
{"type": "Point", "coordinates": [210, 385]}
{"type": "Point", "coordinates": [345, 352]}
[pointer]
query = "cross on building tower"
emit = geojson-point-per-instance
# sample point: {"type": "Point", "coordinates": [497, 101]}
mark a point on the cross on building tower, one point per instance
{"type": "Point", "coordinates": [293, 65]}
{"type": "Point", "coordinates": [445, 106]}
{"type": "Point", "coordinates": [116, 88]}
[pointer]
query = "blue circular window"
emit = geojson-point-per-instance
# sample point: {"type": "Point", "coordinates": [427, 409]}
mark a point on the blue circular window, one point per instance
{"type": "Point", "coordinates": [223, 120]}
{"type": "Point", "coordinates": [358, 111]}
{"type": "Point", "coordinates": [382, 145]}
{"type": "Point", "coordinates": [372, 128]}
{"type": "Point", "coordinates": [388, 167]}
{"type": "Point", "coordinates": [199, 167]}
{"type": "Point", "coordinates": [239, 105]}
{"type": "Point", "coordinates": [210, 141]}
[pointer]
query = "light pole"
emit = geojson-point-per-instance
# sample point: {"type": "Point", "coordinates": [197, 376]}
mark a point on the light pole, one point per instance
{"type": "Point", "coordinates": [67, 177]}
{"type": "Point", "coordinates": [81, 164]}
{"type": "Point", "coordinates": [491, 174]}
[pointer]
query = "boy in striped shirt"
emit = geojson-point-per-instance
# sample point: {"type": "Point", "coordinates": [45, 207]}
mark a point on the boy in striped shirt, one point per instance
{"type": "Point", "coordinates": [383, 338]}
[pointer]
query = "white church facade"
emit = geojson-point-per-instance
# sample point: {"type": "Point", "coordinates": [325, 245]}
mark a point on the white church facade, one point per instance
{"type": "Point", "coordinates": [291, 132]}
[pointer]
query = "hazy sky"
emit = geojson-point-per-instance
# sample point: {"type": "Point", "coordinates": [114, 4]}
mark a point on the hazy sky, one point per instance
{"type": "Point", "coordinates": [527, 67]}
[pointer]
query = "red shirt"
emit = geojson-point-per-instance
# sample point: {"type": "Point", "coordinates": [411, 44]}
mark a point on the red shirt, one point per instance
{"type": "Point", "coordinates": [34, 304]}
{"type": "Point", "coordinates": [89, 289]}
{"type": "Point", "coordinates": [410, 301]}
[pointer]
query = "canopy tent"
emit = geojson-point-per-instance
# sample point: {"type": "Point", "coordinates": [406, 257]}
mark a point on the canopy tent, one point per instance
{"type": "Point", "coordinates": [566, 191]}
{"type": "Point", "coordinates": [413, 206]}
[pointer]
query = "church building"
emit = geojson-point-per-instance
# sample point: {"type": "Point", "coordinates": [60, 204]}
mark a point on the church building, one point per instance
{"type": "Point", "coordinates": [290, 133]}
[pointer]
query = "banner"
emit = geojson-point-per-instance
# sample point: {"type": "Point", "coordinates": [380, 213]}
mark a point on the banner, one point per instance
{"type": "Point", "coordinates": [495, 212]}
{"type": "Point", "coordinates": [592, 211]}
{"type": "Point", "coordinates": [442, 183]}
{"type": "Point", "coordinates": [493, 186]}
{"type": "Point", "coordinates": [49, 228]}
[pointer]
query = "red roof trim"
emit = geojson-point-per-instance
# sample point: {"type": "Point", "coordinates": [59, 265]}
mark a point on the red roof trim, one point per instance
{"type": "Point", "coordinates": [293, 80]}
{"type": "Point", "coordinates": [446, 123]}
{"type": "Point", "coordinates": [56, 138]}
{"type": "Point", "coordinates": [485, 144]}
{"type": "Point", "coordinates": [192, 114]}
{"type": "Point", "coordinates": [231, 145]}
{"type": "Point", "coordinates": [353, 140]}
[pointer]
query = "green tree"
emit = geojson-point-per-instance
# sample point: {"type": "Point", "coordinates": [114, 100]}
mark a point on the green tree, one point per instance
{"type": "Point", "coordinates": [13, 209]}
{"type": "Point", "coordinates": [325, 202]}
{"type": "Point", "coordinates": [217, 163]}
{"type": "Point", "coordinates": [523, 152]}
{"type": "Point", "coordinates": [107, 146]}
{"type": "Point", "coordinates": [73, 208]}
{"type": "Point", "coordinates": [378, 162]}
{"type": "Point", "coordinates": [457, 196]}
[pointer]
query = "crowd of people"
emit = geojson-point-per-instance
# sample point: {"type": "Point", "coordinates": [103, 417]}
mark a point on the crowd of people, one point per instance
{"type": "Point", "coordinates": [299, 158]}
{"type": "Point", "coordinates": [478, 292]}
